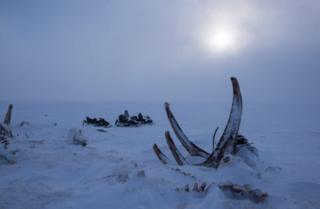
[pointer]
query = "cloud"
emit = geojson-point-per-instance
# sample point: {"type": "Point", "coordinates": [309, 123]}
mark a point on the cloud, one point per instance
{"type": "Point", "coordinates": [153, 50]}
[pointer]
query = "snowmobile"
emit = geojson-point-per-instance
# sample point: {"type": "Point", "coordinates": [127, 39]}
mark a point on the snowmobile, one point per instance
{"type": "Point", "coordinates": [98, 122]}
{"type": "Point", "coordinates": [124, 120]}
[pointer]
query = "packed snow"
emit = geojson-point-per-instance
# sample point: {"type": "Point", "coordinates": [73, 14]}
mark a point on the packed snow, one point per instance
{"type": "Point", "coordinates": [118, 168]}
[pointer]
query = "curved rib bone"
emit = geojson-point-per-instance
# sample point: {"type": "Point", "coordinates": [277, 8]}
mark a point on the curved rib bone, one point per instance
{"type": "Point", "coordinates": [193, 149]}
{"type": "Point", "coordinates": [214, 138]}
{"type": "Point", "coordinates": [162, 157]}
{"type": "Point", "coordinates": [230, 132]}
{"type": "Point", "coordinates": [175, 152]}
{"type": "Point", "coordinates": [232, 128]}
{"type": "Point", "coordinates": [227, 144]}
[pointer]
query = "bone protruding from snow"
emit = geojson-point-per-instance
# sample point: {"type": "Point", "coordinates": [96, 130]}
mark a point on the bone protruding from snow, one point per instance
{"type": "Point", "coordinates": [5, 134]}
{"type": "Point", "coordinates": [214, 138]}
{"type": "Point", "coordinates": [5, 130]}
{"type": "Point", "coordinates": [175, 152]}
{"type": "Point", "coordinates": [231, 190]}
{"type": "Point", "coordinates": [162, 157]}
{"type": "Point", "coordinates": [193, 149]}
{"type": "Point", "coordinates": [196, 187]}
{"type": "Point", "coordinates": [229, 143]}
{"type": "Point", "coordinates": [231, 130]}
{"type": "Point", "coordinates": [76, 137]}
{"type": "Point", "coordinates": [7, 119]}
{"type": "Point", "coordinates": [241, 192]}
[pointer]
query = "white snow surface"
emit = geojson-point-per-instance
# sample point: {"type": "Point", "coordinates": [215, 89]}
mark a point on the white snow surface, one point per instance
{"type": "Point", "coordinates": [118, 168]}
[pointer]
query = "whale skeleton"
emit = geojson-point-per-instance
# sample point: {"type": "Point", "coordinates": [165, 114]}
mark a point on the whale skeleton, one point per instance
{"type": "Point", "coordinates": [230, 141]}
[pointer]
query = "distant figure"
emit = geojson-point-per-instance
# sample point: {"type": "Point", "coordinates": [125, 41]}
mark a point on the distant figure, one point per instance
{"type": "Point", "coordinates": [140, 117]}
{"type": "Point", "coordinates": [124, 118]}
{"type": "Point", "coordinates": [126, 114]}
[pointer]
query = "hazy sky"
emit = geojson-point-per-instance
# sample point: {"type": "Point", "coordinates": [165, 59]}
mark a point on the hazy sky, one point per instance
{"type": "Point", "coordinates": [157, 50]}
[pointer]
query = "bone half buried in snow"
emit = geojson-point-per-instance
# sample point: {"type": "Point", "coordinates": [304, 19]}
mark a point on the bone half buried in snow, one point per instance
{"type": "Point", "coordinates": [228, 143]}
{"type": "Point", "coordinates": [7, 119]}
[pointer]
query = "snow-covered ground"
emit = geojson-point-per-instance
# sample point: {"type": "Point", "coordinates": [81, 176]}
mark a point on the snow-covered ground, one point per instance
{"type": "Point", "coordinates": [118, 169]}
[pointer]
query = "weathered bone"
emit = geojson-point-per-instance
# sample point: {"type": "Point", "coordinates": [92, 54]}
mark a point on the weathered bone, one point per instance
{"type": "Point", "coordinates": [162, 157]}
{"type": "Point", "coordinates": [228, 141]}
{"type": "Point", "coordinates": [175, 152]}
{"type": "Point", "coordinates": [237, 191]}
{"type": "Point", "coordinates": [234, 191]}
{"type": "Point", "coordinates": [7, 119]}
{"type": "Point", "coordinates": [231, 130]}
{"type": "Point", "coordinates": [193, 149]}
{"type": "Point", "coordinates": [229, 144]}
{"type": "Point", "coordinates": [5, 136]}
{"type": "Point", "coordinates": [214, 137]}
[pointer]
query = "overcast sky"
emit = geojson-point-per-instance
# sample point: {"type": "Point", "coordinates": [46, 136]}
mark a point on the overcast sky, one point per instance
{"type": "Point", "coordinates": [159, 50]}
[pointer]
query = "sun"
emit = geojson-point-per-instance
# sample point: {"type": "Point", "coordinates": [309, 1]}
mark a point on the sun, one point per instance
{"type": "Point", "coordinates": [221, 40]}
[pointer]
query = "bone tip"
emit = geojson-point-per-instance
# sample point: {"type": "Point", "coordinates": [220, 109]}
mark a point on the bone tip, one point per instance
{"type": "Point", "coordinates": [167, 133]}
{"type": "Point", "coordinates": [10, 106]}
{"type": "Point", "coordinates": [235, 84]}
{"type": "Point", "coordinates": [166, 104]}
{"type": "Point", "coordinates": [234, 79]}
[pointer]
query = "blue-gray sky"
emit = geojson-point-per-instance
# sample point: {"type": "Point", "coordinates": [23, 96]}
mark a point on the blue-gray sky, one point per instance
{"type": "Point", "coordinates": [156, 50]}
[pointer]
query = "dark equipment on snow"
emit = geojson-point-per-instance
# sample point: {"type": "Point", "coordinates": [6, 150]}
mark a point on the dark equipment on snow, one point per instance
{"type": "Point", "coordinates": [124, 120]}
{"type": "Point", "coordinates": [100, 122]}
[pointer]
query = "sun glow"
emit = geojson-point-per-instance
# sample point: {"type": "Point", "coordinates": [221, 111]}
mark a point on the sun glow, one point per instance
{"type": "Point", "coordinates": [221, 40]}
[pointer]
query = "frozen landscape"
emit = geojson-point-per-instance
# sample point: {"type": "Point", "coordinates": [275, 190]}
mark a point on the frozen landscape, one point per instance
{"type": "Point", "coordinates": [66, 66]}
{"type": "Point", "coordinates": [118, 168]}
